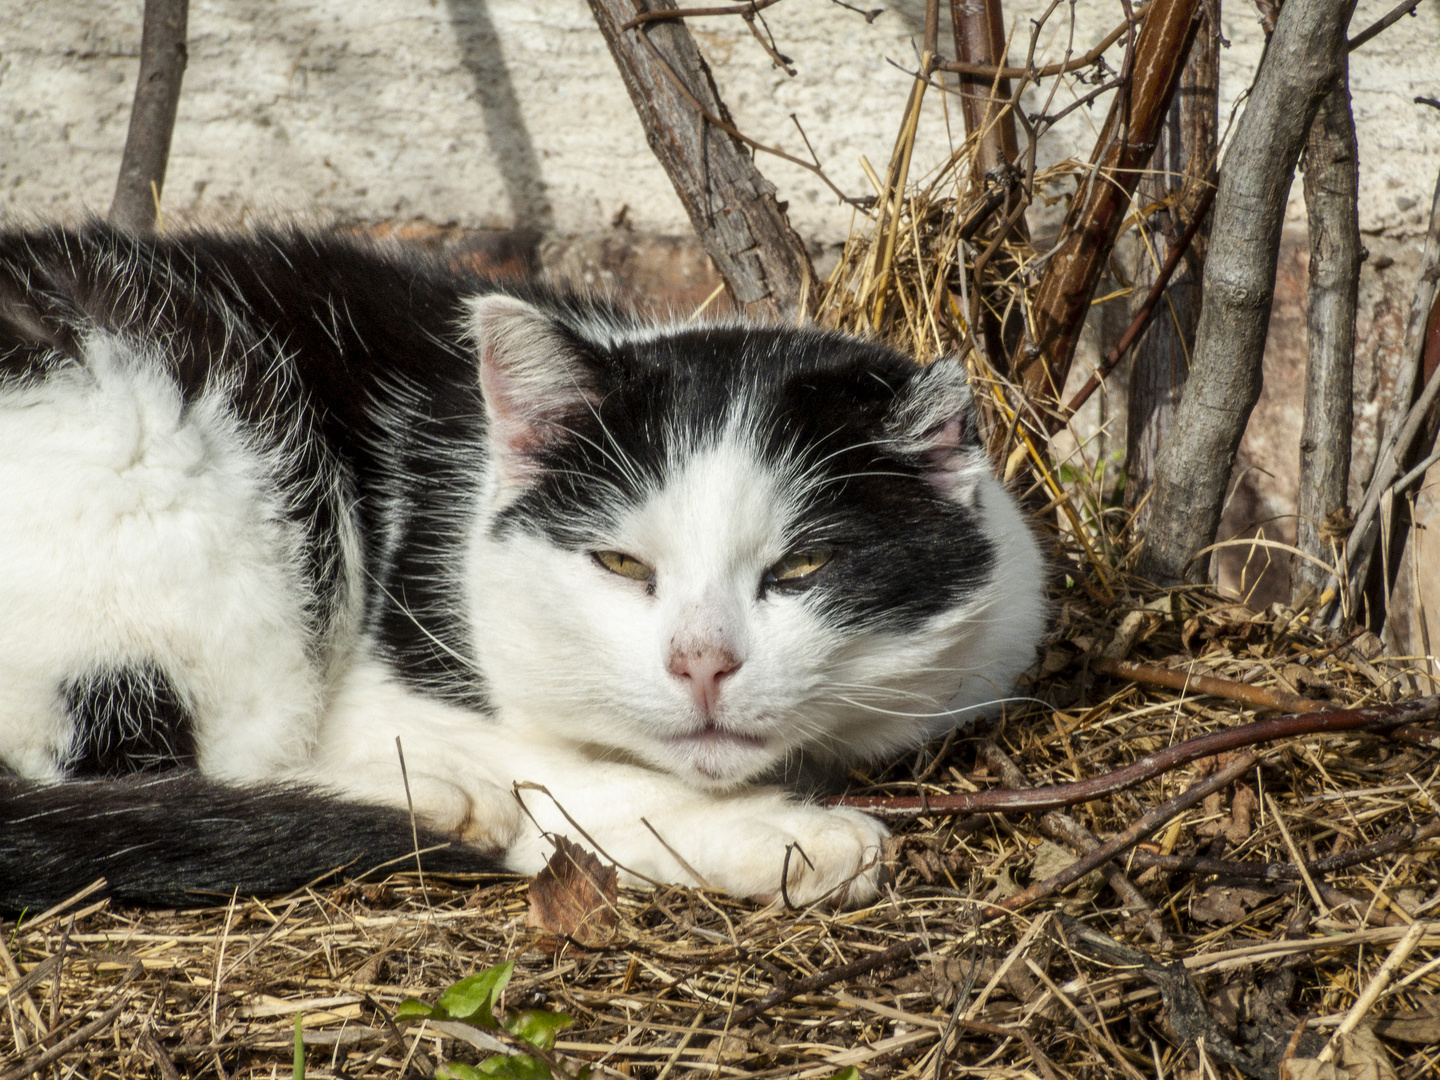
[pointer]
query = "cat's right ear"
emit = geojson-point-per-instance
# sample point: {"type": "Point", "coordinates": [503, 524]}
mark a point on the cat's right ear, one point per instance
{"type": "Point", "coordinates": [533, 377]}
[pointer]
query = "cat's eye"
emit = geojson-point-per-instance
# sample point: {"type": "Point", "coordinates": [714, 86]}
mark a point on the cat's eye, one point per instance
{"type": "Point", "coordinates": [799, 565]}
{"type": "Point", "coordinates": [617, 562]}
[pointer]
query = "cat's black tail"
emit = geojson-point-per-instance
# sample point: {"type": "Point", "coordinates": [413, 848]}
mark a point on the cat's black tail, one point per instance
{"type": "Point", "coordinates": [179, 840]}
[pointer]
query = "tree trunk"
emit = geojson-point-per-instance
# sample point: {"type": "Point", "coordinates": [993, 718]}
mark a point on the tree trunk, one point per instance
{"type": "Point", "coordinates": [152, 116]}
{"type": "Point", "coordinates": [980, 39]}
{"type": "Point", "coordinates": [1301, 63]}
{"type": "Point", "coordinates": [732, 206]}
{"type": "Point", "coordinates": [1182, 165]}
{"type": "Point", "coordinates": [1122, 152]}
{"type": "Point", "coordinates": [1332, 186]}
{"type": "Point", "coordinates": [1407, 414]}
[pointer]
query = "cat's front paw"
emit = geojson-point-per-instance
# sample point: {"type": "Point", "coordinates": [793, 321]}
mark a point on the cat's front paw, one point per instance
{"type": "Point", "coordinates": [455, 800]}
{"type": "Point", "coordinates": [806, 855]}
{"type": "Point", "coordinates": [479, 812]}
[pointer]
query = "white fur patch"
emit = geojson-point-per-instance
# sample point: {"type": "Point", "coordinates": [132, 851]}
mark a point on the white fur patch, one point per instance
{"type": "Point", "coordinates": [138, 530]}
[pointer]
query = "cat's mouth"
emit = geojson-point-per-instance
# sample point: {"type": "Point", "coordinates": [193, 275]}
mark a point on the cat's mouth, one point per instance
{"type": "Point", "coordinates": [712, 745]}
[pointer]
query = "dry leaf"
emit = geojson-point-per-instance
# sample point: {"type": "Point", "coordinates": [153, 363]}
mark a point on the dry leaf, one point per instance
{"type": "Point", "coordinates": [1361, 1057]}
{"type": "Point", "coordinates": [1419, 1025]}
{"type": "Point", "coordinates": [574, 896]}
{"type": "Point", "coordinates": [1225, 904]}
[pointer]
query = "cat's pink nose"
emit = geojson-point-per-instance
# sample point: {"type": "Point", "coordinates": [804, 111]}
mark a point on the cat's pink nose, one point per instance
{"type": "Point", "coordinates": [702, 669]}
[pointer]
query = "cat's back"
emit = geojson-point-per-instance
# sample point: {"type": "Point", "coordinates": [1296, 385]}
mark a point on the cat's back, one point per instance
{"type": "Point", "coordinates": [262, 310]}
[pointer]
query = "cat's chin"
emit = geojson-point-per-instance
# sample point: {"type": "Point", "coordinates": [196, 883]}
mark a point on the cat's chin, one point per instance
{"type": "Point", "coordinates": [716, 756]}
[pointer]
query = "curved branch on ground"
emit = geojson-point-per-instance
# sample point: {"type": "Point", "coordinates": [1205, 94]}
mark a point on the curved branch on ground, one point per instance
{"type": "Point", "coordinates": [1376, 718]}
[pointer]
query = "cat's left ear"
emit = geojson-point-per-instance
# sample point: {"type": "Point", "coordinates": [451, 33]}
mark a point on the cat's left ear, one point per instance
{"type": "Point", "coordinates": [534, 379]}
{"type": "Point", "coordinates": [934, 418]}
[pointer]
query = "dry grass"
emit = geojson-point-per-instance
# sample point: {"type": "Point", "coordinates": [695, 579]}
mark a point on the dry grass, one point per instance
{"type": "Point", "coordinates": [215, 992]}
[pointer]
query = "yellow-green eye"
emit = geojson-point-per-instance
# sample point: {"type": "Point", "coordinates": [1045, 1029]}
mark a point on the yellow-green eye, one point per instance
{"type": "Point", "coordinates": [617, 562]}
{"type": "Point", "coordinates": [800, 564]}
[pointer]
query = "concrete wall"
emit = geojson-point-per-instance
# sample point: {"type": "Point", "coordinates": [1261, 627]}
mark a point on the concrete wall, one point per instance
{"type": "Point", "coordinates": [509, 113]}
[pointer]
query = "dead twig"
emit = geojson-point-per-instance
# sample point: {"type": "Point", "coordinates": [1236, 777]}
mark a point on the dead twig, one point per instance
{"type": "Point", "coordinates": [993, 71]}
{"type": "Point", "coordinates": [1405, 837]}
{"type": "Point", "coordinates": [745, 10]}
{"type": "Point", "coordinates": [782, 994]}
{"type": "Point", "coordinates": [1142, 828]}
{"type": "Point", "coordinates": [1389, 19]}
{"type": "Point", "coordinates": [1009, 801]}
{"type": "Point", "coordinates": [1143, 316]}
{"type": "Point", "coordinates": [1175, 679]}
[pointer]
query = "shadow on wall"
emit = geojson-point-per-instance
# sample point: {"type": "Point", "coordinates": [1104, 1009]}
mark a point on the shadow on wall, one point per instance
{"type": "Point", "coordinates": [508, 138]}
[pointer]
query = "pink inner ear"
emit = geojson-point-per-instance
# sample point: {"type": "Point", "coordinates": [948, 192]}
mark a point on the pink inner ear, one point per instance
{"type": "Point", "coordinates": [516, 420]}
{"type": "Point", "coordinates": [941, 443]}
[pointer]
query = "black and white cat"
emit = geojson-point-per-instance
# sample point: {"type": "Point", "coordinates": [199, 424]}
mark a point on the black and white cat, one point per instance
{"type": "Point", "coordinates": [270, 503]}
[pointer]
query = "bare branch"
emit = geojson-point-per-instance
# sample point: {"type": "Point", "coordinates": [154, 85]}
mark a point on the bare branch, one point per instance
{"type": "Point", "coordinates": [1146, 310]}
{"type": "Point", "coordinates": [747, 10]}
{"type": "Point", "coordinates": [992, 71]}
{"type": "Point", "coordinates": [732, 206]}
{"type": "Point", "coordinates": [1122, 151]}
{"type": "Point", "coordinates": [1332, 187]}
{"type": "Point", "coordinates": [1407, 414]}
{"type": "Point", "coordinates": [152, 116]}
{"type": "Point", "coordinates": [1377, 718]}
{"type": "Point", "coordinates": [1389, 19]}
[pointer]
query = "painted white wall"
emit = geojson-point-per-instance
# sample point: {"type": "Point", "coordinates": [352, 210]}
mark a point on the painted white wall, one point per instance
{"type": "Point", "coordinates": [497, 113]}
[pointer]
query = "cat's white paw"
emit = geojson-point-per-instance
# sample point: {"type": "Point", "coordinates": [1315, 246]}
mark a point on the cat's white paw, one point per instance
{"type": "Point", "coordinates": [834, 857]}
{"type": "Point", "coordinates": [454, 799]}
{"type": "Point", "coordinates": [479, 812]}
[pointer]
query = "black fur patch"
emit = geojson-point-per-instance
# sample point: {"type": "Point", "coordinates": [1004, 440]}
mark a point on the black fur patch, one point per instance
{"type": "Point", "coordinates": [126, 721]}
{"type": "Point", "coordinates": [815, 400]}
{"type": "Point", "coordinates": [178, 839]}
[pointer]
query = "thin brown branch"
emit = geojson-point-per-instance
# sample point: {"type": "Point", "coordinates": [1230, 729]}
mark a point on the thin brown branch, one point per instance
{"type": "Point", "coordinates": [1407, 413]}
{"type": "Point", "coordinates": [1074, 266]}
{"type": "Point", "coordinates": [1067, 830]}
{"type": "Point", "coordinates": [80, 1035]}
{"type": "Point", "coordinates": [1145, 314]}
{"type": "Point", "coordinates": [152, 116]}
{"type": "Point", "coordinates": [741, 9]}
{"type": "Point", "coordinates": [1173, 679]}
{"type": "Point", "coordinates": [1389, 19]}
{"type": "Point", "coordinates": [1402, 838]}
{"type": "Point", "coordinates": [1131, 836]}
{"type": "Point", "coordinates": [1009, 801]}
{"type": "Point", "coordinates": [782, 994]}
{"type": "Point", "coordinates": [993, 71]}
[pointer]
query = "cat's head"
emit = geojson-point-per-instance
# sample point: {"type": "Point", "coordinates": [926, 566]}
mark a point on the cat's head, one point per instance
{"type": "Point", "coordinates": [710, 547]}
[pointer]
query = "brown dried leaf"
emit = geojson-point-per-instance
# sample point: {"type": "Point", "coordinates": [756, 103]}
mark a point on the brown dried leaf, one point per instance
{"type": "Point", "coordinates": [574, 896]}
{"type": "Point", "coordinates": [1360, 1057]}
{"type": "Point", "coordinates": [1243, 805]}
{"type": "Point", "coordinates": [1225, 904]}
{"type": "Point", "coordinates": [1418, 1025]}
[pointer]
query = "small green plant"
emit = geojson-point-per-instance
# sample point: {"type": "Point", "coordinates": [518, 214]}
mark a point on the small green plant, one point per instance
{"type": "Point", "coordinates": [472, 1002]}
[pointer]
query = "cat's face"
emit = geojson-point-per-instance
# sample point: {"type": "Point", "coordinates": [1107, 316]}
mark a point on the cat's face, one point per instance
{"type": "Point", "coordinates": [708, 549]}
